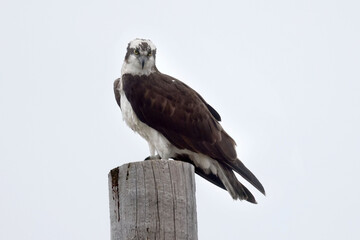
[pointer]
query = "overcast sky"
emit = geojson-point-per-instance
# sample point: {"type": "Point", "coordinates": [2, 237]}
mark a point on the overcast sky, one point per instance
{"type": "Point", "coordinates": [284, 75]}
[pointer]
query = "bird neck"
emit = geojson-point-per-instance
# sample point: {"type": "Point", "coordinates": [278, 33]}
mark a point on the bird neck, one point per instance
{"type": "Point", "coordinates": [128, 68]}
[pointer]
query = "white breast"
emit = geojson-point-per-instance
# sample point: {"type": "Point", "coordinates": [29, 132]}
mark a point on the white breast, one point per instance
{"type": "Point", "coordinates": [155, 139]}
{"type": "Point", "coordinates": [158, 142]}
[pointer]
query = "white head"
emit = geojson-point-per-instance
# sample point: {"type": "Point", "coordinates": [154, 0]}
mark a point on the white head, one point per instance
{"type": "Point", "coordinates": [139, 58]}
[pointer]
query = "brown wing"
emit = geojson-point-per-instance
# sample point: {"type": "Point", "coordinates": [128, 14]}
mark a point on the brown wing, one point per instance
{"type": "Point", "coordinates": [183, 117]}
{"type": "Point", "coordinates": [116, 91]}
{"type": "Point", "coordinates": [177, 111]}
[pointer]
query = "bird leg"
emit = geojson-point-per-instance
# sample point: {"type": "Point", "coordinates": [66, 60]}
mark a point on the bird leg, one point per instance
{"type": "Point", "coordinates": [152, 154]}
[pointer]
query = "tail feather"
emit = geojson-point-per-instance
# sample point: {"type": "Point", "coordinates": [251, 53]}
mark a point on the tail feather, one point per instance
{"type": "Point", "coordinates": [226, 179]}
{"type": "Point", "coordinates": [199, 171]}
{"type": "Point", "coordinates": [241, 169]}
{"type": "Point", "coordinates": [226, 148]}
{"type": "Point", "coordinates": [240, 191]}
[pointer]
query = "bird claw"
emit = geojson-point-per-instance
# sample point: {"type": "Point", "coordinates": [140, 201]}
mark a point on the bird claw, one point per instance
{"type": "Point", "coordinates": [156, 157]}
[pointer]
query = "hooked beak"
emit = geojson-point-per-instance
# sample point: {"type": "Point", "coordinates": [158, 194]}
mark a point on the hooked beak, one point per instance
{"type": "Point", "coordinates": [142, 60]}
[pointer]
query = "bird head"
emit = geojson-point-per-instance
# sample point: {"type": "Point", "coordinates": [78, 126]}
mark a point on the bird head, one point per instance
{"type": "Point", "coordinates": [140, 57]}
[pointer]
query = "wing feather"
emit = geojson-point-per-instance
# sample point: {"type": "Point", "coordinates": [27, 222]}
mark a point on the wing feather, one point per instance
{"type": "Point", "coordinates": [172, 108]}
{"type": "Point", "coordinates": [184, 118]}
{"type": "Point", "coordinates": [116, 91]}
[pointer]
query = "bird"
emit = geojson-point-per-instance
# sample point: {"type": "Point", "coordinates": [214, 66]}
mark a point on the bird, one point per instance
{"type": "Point", "coordinates": [177, 122]}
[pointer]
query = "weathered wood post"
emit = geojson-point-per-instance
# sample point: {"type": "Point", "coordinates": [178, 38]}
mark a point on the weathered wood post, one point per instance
{"type": "Point", "coordinates": [153, 200]}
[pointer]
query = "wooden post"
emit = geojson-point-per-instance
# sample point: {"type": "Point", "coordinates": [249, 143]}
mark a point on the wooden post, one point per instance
{"type": "Point", "coordinates": [153, 199]}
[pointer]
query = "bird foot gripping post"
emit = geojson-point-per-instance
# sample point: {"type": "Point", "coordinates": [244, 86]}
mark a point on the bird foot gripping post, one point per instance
{"type": "Point", "coordinates": [153, 200]}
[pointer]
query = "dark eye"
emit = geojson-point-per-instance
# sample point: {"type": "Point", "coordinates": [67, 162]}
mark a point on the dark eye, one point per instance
{"type": "Point", "coordinates": [149, 53]}
{"type": "Point", "coordinates": [136, 51]}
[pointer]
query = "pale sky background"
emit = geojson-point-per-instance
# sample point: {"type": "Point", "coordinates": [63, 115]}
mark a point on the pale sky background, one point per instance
{"type": "Point", "coordinates": [284, 75]}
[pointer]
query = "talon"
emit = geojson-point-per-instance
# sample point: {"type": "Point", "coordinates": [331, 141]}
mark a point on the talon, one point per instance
{"type": "Point", "coordinates": [156, 157]}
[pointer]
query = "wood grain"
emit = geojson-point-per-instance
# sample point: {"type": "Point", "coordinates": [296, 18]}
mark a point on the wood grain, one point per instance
{"type": "Point", "coordinates": [153, 200]}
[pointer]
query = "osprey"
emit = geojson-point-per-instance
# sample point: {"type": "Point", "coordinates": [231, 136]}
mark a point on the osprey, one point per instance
{"type": "Point", "coordinates": [177, 122]}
